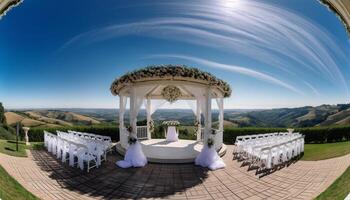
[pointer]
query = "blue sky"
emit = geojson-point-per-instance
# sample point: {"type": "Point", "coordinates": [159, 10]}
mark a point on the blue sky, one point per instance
{"type": "Point", "coordinates": [273, 53]}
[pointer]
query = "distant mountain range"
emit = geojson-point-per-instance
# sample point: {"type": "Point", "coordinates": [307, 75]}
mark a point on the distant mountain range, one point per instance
{"type": "Point", "coordinates": [307, 116]}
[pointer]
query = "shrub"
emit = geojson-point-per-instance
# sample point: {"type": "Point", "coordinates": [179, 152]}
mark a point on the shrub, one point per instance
{"type": "Point", "coordinates": [37, 134]}
{"type": "Point", "coordinates": [312, 134]}
{"type": "Point", "coordinates": [230, 134]}
{"type": "Point", "coordinates": [6, 135]}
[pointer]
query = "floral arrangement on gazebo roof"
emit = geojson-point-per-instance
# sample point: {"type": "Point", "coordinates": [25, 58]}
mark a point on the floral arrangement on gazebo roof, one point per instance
{"type": "Point", "coordinates": [170, 72]}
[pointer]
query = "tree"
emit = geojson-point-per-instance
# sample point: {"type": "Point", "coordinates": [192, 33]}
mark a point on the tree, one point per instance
{"type": "Point", "coordinates": [2, 115]}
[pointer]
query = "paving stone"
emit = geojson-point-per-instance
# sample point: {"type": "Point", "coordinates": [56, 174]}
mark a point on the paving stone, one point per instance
{"type": "Point", "coordinates": [46, 177]}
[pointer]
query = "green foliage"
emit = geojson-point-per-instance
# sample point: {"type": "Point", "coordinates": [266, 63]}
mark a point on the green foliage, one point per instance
{"type": "Point", "coordinates": [37, 134]}
{"type": "Point", "coordinates": [2, 115]}
{"type": "Point", "coordinates": [10, 189]}
{"type": "Point", "coordinates": [324, 115]}
{"type": "Point", "coordinates": [325, 151]}
{"type": "Point", "coordinates": [230, 134]}
{"type": "Point", "coordinates": [187, 133]}
{"type": "Point", "coordinates": [6, 134]}
{"type": "Point", "coordinates": [312, 135]}
{"type": "Point", "coordinates": [159, 132]}
{"type": "Point", "coordinates": [9, 148]}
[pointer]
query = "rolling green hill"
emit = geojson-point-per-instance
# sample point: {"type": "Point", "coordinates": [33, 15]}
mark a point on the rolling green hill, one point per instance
{"type": "Point", "coordinates": [324, 115]}
{"type": "Point", "coordinates": [308, 116]}
{"type": "Point", "coordinates": [48, 118]}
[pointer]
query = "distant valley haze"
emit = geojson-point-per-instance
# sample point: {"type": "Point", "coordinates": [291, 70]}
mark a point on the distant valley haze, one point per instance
{"type": "Point", "coordinates": [308, 116]}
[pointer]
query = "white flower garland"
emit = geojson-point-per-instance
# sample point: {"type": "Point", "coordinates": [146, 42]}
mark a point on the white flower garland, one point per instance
{"type": "Point", "coordinates": [171, 123]}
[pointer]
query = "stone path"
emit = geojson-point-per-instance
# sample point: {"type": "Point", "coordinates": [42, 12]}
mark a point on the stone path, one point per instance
{"type": "Point", "coordinates": [47, 178]}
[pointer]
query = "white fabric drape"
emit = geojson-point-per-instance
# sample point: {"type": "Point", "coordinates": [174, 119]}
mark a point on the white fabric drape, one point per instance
{"type": "Point", "coordinates": [154, 105]}
{"type": "Point", "coordinates": [220, 103]}
{"type": "Point", "coordinates": [122, 134]}
{"type": "Point", "coordinates": [122, 107]}
{"type": "Point", "coordinates": [208, 157]}
{"type": "Point", "coordinates": [193, 106]}
{"type": "Point", "coordinates": [136, 99]}
{"type": "Point", "coordinates": [199, 93]}
{"type": "Point", "coordinates": [134, 157]}
{"type": "Point", "coordinates": [219, 135]}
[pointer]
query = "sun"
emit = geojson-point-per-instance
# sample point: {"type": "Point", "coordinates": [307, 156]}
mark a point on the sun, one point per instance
{"type": "Point", "coordinates": [230, 3]}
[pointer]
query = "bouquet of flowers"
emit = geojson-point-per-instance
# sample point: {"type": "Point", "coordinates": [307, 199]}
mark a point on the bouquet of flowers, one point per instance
{"type": "Point", "coordinates": [171, 123]}
{"type": "Point", "coordinates": [196, 126]}
{"type": "Point", "coordinates": [151, 126]}
{"type": "Point", "coordinates": [210, 142]}
{"type": "Point", "coordinates": [129, 129]}
{"type": "Point", "coordinates": [132, 140]}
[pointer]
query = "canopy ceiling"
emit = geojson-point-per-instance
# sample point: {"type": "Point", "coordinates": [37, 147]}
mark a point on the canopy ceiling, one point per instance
{"type": "Point", "coordinates": [177, 75]}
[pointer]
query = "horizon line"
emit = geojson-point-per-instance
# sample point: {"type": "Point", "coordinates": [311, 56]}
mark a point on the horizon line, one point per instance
{"type": "Point", "coordinates": [243, 108]}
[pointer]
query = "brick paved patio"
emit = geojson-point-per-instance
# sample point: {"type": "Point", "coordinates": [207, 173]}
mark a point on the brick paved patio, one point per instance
{"type": "Point", "coordinates": [47, 178]}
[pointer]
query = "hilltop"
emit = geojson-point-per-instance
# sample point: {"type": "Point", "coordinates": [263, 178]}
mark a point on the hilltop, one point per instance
{"type": "Point", "coordinates": [48, 118]}
{"type": "Point", "coordinates": [308, 116]}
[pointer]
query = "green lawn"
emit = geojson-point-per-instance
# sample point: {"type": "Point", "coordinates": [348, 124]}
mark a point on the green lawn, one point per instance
{"type": "Point", "coordinates": [339, 189]}
{"type": "Point", "coordinates": [325, 151]}
{"type": "Point", "coordinates": [10, 189]}
{"type": "Point", "coordinates": [9, 147]}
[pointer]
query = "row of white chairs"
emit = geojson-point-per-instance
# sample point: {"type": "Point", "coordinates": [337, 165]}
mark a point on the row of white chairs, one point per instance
{"type": "Point", "coordinates": [106, 140]}
{"type": "Point", "coordinates": [77, 149]}
{"type": "Point", "coordinates": [269, 150]}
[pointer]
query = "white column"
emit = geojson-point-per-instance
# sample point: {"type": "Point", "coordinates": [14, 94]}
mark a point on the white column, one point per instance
{"type": "Point", "coordinates": [198, 116]}
{"type": "Point", "coordinates": [148, 109]}
{"type": "Point", "coordinates": [207, 114]}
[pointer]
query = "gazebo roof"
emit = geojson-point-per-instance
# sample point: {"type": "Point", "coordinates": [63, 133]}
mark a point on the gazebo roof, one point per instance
{"type": "Point", "coordinates": [342, 9]}
{"type": "Point", "coordinates": [167, 73]}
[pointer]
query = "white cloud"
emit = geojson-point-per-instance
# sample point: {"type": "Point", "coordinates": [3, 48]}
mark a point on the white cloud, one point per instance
{"type": "Point", "coordinates": [290, 43]}
{"type": "Point", "coordinates": [233, 68]}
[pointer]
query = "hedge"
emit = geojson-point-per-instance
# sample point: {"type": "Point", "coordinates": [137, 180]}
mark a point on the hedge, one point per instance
{"type": "Point", "coordinates": [312, 135]}
{"type": "Point", "coordinates": [37, 134]}
{"type": "Point", "coordinates": [230, 134]}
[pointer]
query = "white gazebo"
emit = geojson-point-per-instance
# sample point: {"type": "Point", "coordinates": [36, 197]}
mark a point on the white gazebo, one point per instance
{"type": "Point", "coordinates": [170, 83]}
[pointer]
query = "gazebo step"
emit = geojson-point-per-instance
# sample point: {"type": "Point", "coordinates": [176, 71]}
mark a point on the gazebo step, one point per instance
{"type": "Point", "coordinates": [160, 151]}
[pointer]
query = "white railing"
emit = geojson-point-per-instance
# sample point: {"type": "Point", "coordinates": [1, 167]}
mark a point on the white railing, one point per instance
{"type": "Point", "coordinates": [202, 134]}
{"type": "Point", "coordinates": [141, 132]}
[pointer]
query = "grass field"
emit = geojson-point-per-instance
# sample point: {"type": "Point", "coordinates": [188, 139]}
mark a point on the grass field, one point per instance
{"type": "Point", "coordinates": [10, 189]}
{"type": "Point", "coordinates": [325, 151]}
{"type": "Point", "coordinates": [9, 147]}
{"type": "Point", "coordinates": [339, 189]}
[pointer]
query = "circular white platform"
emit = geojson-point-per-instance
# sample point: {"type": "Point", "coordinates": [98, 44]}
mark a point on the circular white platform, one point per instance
{"type": "Point", "coordinates": [161, 151]}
